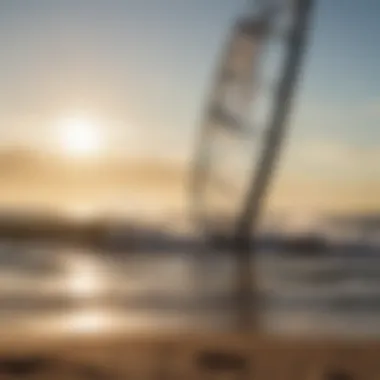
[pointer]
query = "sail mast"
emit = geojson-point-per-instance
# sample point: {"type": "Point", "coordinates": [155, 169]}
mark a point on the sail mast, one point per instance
{"type": "Point", "coordinates": [247, 224]}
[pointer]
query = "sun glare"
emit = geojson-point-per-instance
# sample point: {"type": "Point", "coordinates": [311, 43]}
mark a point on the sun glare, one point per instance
{"type": "Point", "coordinates": [79, 136]}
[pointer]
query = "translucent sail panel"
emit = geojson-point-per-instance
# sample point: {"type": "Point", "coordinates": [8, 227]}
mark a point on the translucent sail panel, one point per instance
{"type": "Point", "coordinates": [225, 187]}
{"type": "Point", "coordinates": [227, 132]}
{"type": "Point", "coordinates": [233, 91]}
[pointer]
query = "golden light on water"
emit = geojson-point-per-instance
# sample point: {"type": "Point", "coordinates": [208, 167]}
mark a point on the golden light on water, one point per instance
{"type": "Point", "coordinates": [88, 322]}
{"type": "Point", "coordinates": [80, 136]}
{"type": "Point", "coordinates": [84, 277]}
{"type": "Point", "coordinates": [84, 285]}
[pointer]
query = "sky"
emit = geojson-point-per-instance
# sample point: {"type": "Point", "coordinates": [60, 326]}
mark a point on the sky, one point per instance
{"type": "Point", "coordinates": [143, 68]}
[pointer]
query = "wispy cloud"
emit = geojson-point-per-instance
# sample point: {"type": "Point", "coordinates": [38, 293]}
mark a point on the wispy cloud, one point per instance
{"type": "Point", "coordinates": [340, 160]}
{"type": "Point", "coordinates": [320, 175]}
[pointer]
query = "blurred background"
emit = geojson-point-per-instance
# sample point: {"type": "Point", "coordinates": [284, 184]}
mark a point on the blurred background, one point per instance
{"type": "Point", "coordinates": [100, 104]}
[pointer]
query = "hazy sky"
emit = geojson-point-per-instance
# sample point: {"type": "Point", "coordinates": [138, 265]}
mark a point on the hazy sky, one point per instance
{"type": "Point", "coordinates": [142, 69]}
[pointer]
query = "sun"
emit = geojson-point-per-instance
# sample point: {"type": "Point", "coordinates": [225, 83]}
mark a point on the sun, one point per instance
{"type": "Point", "coordinates": [79, 136]}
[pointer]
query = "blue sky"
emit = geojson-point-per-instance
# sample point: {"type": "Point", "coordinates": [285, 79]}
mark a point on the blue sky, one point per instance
{"type": "Point", "coordinates": [156, 56]}
{"type": "Point", "coordinates": [343, 64]}
{"type": "Point", "coordinates": [143, 68]}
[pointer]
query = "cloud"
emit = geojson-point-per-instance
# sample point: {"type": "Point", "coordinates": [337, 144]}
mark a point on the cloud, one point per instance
{"type": "Point", "coordinates": [319, 175]}
{"type": "Point", "coordinates": [337, 159]}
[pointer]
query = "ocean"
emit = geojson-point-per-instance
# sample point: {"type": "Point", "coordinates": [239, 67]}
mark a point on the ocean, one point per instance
{"type": "Point", "coordinates": [48, 288]}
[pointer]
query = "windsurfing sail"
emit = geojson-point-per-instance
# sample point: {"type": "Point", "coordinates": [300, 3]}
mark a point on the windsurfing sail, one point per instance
{"type": "Point", "coordinates": [235, 159]}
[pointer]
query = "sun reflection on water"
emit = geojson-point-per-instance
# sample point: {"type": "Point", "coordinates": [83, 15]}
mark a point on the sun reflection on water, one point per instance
{"type": "Point", "coordinates": [84, 277]}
